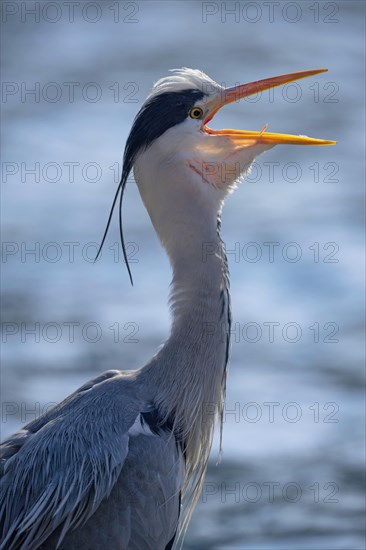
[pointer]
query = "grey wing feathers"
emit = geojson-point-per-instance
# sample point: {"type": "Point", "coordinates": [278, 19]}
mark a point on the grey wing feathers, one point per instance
{"type": "Point", "coordinates": [142, 512]}
{"type": "Point", "coordinates": [58, 469]}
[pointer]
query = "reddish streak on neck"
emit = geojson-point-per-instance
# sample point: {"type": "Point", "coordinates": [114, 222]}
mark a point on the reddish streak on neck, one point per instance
{"type": "Point", "coordinates": [195, 169]}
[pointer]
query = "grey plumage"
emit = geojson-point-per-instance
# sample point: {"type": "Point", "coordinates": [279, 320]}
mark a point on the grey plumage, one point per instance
{"type": "Point", "coordinates": [108, 467]}
{"type": "Point", "coordinates": [72, 472]}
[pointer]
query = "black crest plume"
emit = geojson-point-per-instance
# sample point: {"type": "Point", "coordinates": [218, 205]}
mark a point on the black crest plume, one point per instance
{"type": "Point", "coordinates": [155, 117]}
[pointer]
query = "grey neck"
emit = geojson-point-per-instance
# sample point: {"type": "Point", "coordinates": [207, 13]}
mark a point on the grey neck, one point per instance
{"type": "Point", "coordinates": [189, 371]}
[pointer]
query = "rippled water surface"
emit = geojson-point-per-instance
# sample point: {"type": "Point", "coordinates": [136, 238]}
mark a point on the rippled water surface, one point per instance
{"type": "Point", "coordinates": [291, 475]}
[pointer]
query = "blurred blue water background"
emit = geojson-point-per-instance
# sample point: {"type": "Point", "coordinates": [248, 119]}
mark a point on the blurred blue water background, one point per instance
{"type": "Point", "coordinates": [291, 476]}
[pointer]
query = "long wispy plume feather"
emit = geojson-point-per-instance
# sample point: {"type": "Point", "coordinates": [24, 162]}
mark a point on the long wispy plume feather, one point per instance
{"type": "Point", "coordinates": [120, 192]}
{"type": "Point", "coordinates": [166, 105]}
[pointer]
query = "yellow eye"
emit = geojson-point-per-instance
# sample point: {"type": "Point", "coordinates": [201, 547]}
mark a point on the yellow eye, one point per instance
{"type": "Point", "coordinates": [196, 112]}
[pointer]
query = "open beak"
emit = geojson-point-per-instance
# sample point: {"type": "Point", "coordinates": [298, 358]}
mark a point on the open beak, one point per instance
{"type": "Point", "coordinates": [248, 138]}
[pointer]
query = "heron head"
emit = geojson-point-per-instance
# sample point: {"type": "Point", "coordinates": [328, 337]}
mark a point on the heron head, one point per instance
{"type": "Point", "coordinates": [183, 167]}
{"type": "Point", "coordinates": [171, 130]}
{"type": "Point", "coordinates": [178, 158]}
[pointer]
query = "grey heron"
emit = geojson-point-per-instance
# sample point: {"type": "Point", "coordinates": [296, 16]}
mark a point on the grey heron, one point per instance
{"type": "Point", "coordinates": [120, 462]}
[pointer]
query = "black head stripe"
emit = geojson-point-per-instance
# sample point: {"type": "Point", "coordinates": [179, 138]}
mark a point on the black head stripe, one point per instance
{"type": "Point", "coordinates": [156, 116]}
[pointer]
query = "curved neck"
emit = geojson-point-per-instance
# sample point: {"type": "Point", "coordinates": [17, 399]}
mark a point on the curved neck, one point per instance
{"type": "Point", "coordinates": [200, 299]}
{"type": "Point", "coordinates": [186, 379]}
{"type": "Point", "coordinates": [189, 371]}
